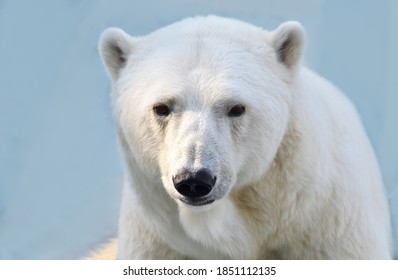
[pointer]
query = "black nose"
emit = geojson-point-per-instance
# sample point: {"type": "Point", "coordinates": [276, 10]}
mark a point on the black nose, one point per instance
{"type": "Point", "coordinates": [194, 184]}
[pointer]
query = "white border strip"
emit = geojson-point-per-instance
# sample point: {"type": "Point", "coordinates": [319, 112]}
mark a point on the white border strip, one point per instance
{"type": "Point", "coordinates": [113, 270]}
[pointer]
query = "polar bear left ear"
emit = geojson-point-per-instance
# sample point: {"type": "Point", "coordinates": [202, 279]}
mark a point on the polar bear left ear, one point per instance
{"type": "Point", "coordinates": [288, 42]}
{"type": "Point", "coordinates": [115, 46]}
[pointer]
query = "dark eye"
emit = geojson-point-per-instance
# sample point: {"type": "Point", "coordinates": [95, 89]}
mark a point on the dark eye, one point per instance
{"type": "Point", "coordinates": [236, 111]}
{"type": "Point", "coordinates": [161, 110]}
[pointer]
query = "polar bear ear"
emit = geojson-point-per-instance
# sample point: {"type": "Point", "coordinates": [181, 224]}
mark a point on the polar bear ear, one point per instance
{"type": "Point", "coordinates": [115, 46]}
{"type": "Point", "coordinates": [288, 42]}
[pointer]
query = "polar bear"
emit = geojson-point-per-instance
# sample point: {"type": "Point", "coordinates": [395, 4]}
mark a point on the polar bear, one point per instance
{"type": "Point", "coordinates": [234, 150]}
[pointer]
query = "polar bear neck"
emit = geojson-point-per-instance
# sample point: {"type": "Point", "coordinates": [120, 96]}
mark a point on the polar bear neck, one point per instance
{"type": "Point", "coordinates": [220, 228]}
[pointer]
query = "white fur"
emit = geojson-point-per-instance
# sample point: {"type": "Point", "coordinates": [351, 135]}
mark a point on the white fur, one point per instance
{"type": "Point", "coordinates": [296, 175]}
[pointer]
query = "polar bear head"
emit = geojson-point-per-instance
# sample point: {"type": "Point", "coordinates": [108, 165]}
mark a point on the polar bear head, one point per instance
{"type": "Point", "coordinates": [203, 104]}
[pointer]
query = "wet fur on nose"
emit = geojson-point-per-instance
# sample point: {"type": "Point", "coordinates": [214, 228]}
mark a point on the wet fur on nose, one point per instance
{"type": "Point", "coordinates": [194, 184]}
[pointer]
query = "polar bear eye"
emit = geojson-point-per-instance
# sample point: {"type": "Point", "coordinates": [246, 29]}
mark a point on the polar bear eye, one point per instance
{"type": "Point", "coordinates": [161, 110]}
{"type": "Point", "coordinates": [236, 111]}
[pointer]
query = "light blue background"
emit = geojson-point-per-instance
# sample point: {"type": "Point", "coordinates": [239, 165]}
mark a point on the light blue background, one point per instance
{"type": "Point", "coordinates": [60, 169]}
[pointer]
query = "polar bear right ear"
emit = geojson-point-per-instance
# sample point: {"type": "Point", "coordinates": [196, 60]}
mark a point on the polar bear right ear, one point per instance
{"type": "Point", "coordinates": [115, 46]}
{"type": "Point", "coordinates": [288, 42]}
